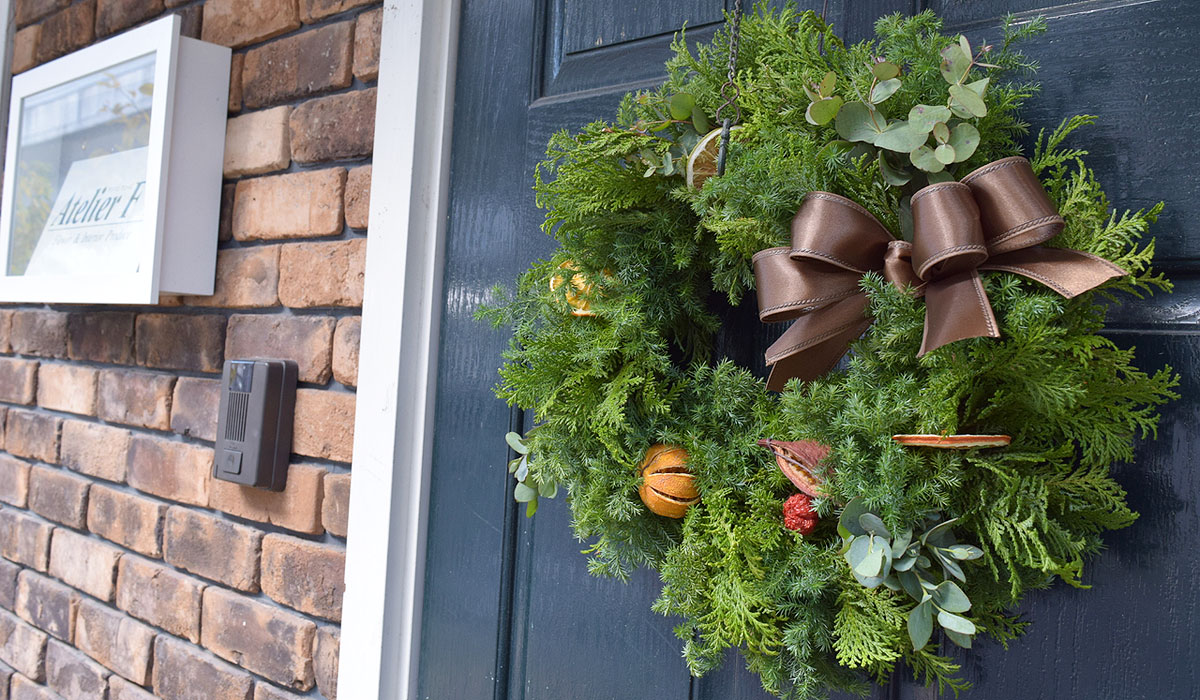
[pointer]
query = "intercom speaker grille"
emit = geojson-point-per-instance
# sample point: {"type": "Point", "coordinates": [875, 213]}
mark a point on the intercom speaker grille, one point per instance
{"type": "Point", "coordinates": [235, 420]}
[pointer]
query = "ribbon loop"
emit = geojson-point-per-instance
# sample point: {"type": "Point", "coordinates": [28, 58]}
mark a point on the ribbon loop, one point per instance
{"type": "Point", "coordinates": [995, 219]}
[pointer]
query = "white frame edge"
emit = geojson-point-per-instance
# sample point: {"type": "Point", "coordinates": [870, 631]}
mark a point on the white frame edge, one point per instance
{"type": "Point", "coordinates": [393, 429]}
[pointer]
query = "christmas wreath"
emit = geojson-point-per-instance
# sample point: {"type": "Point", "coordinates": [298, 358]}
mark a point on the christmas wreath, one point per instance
{"type": "Point", "coordinates": [944, 292]}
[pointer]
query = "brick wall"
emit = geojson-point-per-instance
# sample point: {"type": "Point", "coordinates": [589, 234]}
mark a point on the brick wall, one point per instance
{"type": "Point", "coordinates": [126, 572]}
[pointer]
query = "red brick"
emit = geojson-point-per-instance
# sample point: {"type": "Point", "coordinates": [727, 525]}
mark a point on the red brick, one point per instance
{"type": "Point", "coordinates": [334, 128]}
{"type": "Point", "coordinates": [263, 691]}
{"type": "Point", "coordinates": [195, 406]}
{"type": "Point", "coordinates": [30, 434]}
{"type": "Point", "coordinates": [292, 205]}
{"type": "Point", "coordinates": [160, 596]}
{"type": "Point", "coordinates": [73, 675]}
{"type": "Point", "coordinates": [121, 689]}
{"type": "Point", "coordinates": [27, 11]}
{"type": "Point", "coordinates": [225, 224]}
{"type": "Point", "coordinates": [312, 10]}
{"type": "Point", "coordinates": [68, 388]}
{"type": "Point", "coordinates": [24, 539]}
{"type": "Point", "coordinates": [345, 350]}
{"type": "Point", "coordinates": [236, 23]}
{"type": "Point", "coordinates": [190, 19]}
{"type": "Point", "coordinates": [366, 45]}
{"type": "Point", "coordinates": [324, 424]}
{"type": "Point", "coordinates": [297, 507]}
{"type": "Point", "coordinates": [114, 15]}
{"type": "Point", "coordinates": [96, 450]}
{"type": "Point", "coordinates": [358, 196]}
{"type": "Point", "coordinates": [24, 56]}
{"type": "Point", "coordinates": [236, 67]}
{"type": "Point", "coordinates": [25, 689]}
{"type": "Point", "coordinates": [14, 481]}
{"type": "Point", "coordinates": [129, 520]}
{"type": "Point", "coordinates": [22, 646]}
{"type": "Point", "coordinates": [306, 339]}
{"type": "Point", "coordinates": [174, 341]}
{"type": "Point", "coordinates": [246, 278]}
{"type": "Point", "coordinates": [40, 333]}
{"type": "Point", "coordinates": [173, 470]}
{"type": "Point", "coordinates": [8, 585]}
{"type": "Point", "coordinates": [6, 675]}
{"type": "Point", "coordinates": [117, 641]}
{"type": "Point", "coordinates": [183, 672]}
{"type": "Point", "coordinates": [301, 65]}
{"type": "Point", "coordinates": [213, 548]}
{"type": "Point", "coordinates": [18, 380]}
{"type": "Point", "coordinates": [47, 605]}
{"type": "Point", "coordinates": [59, 495]}
{"type": "Point", "coordinates": [66, 30]}
{"type": "Point", "coordinates": [135, 398]}
{"type": "Point", "coordinates": [6, 326]}
{"type": "Point", "coordinates": [335, 511]}
{"type": "Point", "coordinates": [101, 337]}
{"type": "Point", "coordinates": [257, 142]}
{"type": "Point", "coordinates": [85, 563]}
{"type": "Point", "coordinates": [304, 576]}
{"type": "Point", "coordinates": [322, 274]}
{"type": "Point", "coordinates": [329, 642]}
{"type": "Point", "coordinates": [261, 638]}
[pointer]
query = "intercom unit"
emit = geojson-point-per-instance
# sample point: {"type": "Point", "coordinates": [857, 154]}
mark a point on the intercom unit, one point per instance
{"type": "Point", "coordinates": [254, 428]}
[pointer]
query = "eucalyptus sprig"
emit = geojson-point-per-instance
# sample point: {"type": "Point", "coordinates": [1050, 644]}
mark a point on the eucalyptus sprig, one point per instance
{"type": "Point", "coordinates": [528, 487]}
{"type": "Point", "coordinates": [900, 562]}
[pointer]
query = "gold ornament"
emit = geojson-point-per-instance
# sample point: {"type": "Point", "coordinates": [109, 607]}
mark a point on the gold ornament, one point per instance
{"type": "Point", "coordinates": [668, 488]}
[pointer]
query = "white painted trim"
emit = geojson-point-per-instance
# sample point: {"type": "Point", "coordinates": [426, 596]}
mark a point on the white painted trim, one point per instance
{"type": "Point", "coordinates": [381, 617]}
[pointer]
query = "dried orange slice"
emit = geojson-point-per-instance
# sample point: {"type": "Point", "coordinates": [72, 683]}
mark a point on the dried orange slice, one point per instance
{"type": "Point", "coordinates": [580, 289]}
{"type": "Point", "coordinates": [702, 163]}
{"type": "Point", "coordinates": [953, 442]}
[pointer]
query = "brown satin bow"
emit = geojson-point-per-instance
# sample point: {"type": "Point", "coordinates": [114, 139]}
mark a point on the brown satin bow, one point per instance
{"type": "Point", "coordinates": [994, 219]}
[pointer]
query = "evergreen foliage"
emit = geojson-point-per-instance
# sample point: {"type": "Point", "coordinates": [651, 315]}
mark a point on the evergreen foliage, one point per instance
{"type": "Point", "coordinates": [642, 370]}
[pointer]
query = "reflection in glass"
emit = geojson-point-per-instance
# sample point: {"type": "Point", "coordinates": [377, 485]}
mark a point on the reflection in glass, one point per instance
{"type": "Point", "coordinates": [81, 173]}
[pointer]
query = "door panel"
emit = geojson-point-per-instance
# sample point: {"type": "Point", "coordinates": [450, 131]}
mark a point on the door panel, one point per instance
{"type": "Point", "coordinates": [510, 611]}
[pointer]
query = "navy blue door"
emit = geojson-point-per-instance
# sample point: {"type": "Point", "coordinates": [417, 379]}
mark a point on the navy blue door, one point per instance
{"type": "Point", "coordinates": [510, 610]}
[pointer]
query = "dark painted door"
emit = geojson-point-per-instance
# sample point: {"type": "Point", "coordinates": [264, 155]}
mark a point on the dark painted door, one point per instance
{"type": "Point", "coordinates": [510, 611]}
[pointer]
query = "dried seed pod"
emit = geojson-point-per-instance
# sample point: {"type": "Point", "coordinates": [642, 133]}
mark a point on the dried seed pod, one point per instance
{"type": "Point", "coordinates": [668, 488]}
{"type": "Point", "coordinates": [798, 461]}
{"type": "Point", "coordinates": [953, 442]}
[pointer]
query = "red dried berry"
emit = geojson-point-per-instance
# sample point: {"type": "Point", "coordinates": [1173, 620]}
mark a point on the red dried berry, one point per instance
{"type": "Point", "coordinates": [799, 515]}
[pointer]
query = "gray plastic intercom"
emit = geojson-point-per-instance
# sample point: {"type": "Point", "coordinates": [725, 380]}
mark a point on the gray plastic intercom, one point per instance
{"type": "Point", "coordinates": [254, 427]}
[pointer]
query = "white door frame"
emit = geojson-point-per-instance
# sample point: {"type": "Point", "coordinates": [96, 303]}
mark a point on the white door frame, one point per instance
{"type": "Point", "coordinates": [393, 430]}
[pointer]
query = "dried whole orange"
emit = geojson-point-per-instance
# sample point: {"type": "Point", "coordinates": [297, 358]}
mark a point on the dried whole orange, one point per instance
{"type": "Point", "coordinates": [668, 488]}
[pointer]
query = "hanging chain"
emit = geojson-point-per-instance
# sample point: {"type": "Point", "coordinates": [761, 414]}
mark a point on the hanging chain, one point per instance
{"type": "Point", "coordinates": [730, 90]}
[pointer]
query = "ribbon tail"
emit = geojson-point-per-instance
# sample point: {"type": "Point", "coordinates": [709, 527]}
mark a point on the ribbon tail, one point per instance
{"type": "Point", "coordinates": [956, 308]}
{"type": "Point", "coordinates": [816, 341]}
{"type": "Point", "coordinates": [1068, 272]}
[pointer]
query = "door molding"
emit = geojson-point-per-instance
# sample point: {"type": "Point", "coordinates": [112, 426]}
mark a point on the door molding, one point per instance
{"type": "Point", "coordinates": [393, 426]}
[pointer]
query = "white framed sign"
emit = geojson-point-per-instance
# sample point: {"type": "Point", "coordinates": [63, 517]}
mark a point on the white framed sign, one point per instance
{"type": "Point", "coordinates": [112, 173]}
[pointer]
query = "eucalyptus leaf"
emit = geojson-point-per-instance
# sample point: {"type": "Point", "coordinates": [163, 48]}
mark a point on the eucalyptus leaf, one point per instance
{"type": "Point", "coordinates": [650, 171]}
{"type": "Point", "coordinates": [892, 175]}
{"type": "Point", "coordinates": [966, 97]}
{"type": "Point", "coordinates": [923, 158]}
{"type": "Point", "coordinates": [901, 137]}
{"type": "Point", "coordinates": [941, 132]}
{"type": "Point", "coordinates": [850, 514]}
{"type": "Point", "coordinates": [514, 441]}
{"type": "Point", "coordinates": [823, 111]}
{"type": "Point", "coordinates": [979, 86]}
{"type": "Point", "coordinates": [813, 95]}
{"type": "Point", "coordinates": [547, 490]}
{"type": "Point", "coordinates": [858, 122]}
{"type": "Point", "coordinates": [523, 493]}
{"type": "Point", "coordinates": [872, 563]}
{"type": "Point", "coordinates": [859, 547]}
{"type": "Point", "coordinates": [904, 563]}
{"type": "Point", "coordinates": [872, 524]}
{"type": "Point", "coordinates": [892, 583]}
{"type": "Point", "coordinates": [956, 63]}
{"type": "Point", "coordinates": [966, 45]}
{"type": "Point", "coordinates": [951, 567]}
{"type": "Point", "coordinates": [668, 165]}
{"type": "Point", "coordinates": [522, 470]}
{"type": "Point", "coordinates": [964, 552]}
{"type": "Point", "coordinates": [531, 508]}
{"type": "Point", "coordinates": [920, 625]}
{"type": "Point", "coordinates": [949, 597]}
{"type": "Point", "coordinates": [911, 584]}
{"type": "Point", "coordinates": [955, 623]}
{"type": "Point", "coordinates": [944, 154]}
{"type": "Point", "coordinates": [962, 640]}
{"type": "Point", "coordinates": [938, 534]}
{"type": "Point", "coordinates": [901, 541]}
{"type": "Point", "coordinates": [960, 111]}
{"type": "Point", "coordinates": [700, 122]}
{"type": "Point", "coordinates": [512, 465]}
{"type": "Point", "coordinates": [939, 177]}
{"type": "Point", "coordinates": [884, 90]}
{"type": "Point", "coordinates": [924, 117]}
{"type": "Point", "coordinates": [682, 105]}
{"type": "Point", "coordinates": [885, 70]}
{"type": "Point", "coordinates": [828, 83]}
{"type": "Point", "coordinates": [965, 139]}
